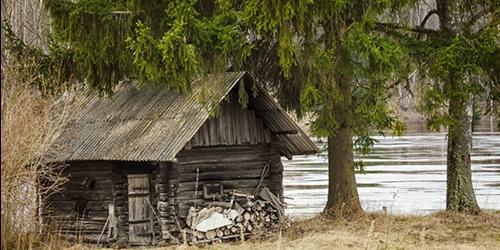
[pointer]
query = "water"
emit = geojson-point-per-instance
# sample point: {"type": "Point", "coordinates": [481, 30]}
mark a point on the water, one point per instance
{"type": "Point", "coordinates": [406, 174]}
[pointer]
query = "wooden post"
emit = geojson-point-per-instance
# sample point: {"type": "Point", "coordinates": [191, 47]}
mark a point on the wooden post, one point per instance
{"type": "Point", "coordinates": [166, 200]}
{"type": "Point", "coordinates": [120, 201]}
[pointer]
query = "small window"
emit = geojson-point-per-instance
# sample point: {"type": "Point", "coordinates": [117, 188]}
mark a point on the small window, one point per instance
{"type": "Point", "coordinates": [212, 190]}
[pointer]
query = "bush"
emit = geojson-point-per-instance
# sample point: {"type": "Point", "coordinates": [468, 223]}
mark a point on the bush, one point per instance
{"type": "Point", "coordinates": [31, 119]}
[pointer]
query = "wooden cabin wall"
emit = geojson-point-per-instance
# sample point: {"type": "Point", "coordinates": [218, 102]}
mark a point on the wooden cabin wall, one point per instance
{"type": "Point", "coordinates": [167, 190]}
{"type": "Point", "coordinates": [110, 187]}
{"type": "Point", "coordinates": [235, 167]}
{"type": "Point", "coordinates": [79, 208]}
{"type": "Point", "coordinates": [233, 126]}
{"type": "Point", "coordinates": [120, 201]}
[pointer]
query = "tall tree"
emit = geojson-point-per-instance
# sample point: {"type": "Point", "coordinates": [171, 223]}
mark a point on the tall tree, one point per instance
{"type": "Point", "coordinates": [459, 59]}
{"type": "Point", "coordinates": [323, 57]}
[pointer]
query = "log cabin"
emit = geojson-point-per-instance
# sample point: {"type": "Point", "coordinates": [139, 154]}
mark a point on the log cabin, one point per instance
{"type": "Point", "coordinates": [146, 155]}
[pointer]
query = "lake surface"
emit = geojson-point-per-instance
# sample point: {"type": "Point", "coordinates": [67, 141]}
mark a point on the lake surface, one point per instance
{"type": "Point", "coordinates": [406, 174]}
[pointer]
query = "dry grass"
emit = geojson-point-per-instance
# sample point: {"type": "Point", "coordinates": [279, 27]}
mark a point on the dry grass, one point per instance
{"type": "Point", "coordinates": [377, 231]}
{"type": "Point", "coordinates": [29, 123]}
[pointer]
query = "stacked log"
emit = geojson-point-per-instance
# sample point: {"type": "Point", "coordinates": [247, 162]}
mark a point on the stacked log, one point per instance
{"type": "Point", "coordinates": [167, 189]}
{"type": "Point", "coordinates": [255, 216]}
{"type": "Point", "coordinates": [120, 200]}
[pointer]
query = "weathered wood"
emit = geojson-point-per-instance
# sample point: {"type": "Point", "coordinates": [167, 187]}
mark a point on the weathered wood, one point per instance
{"type": "Point", "coordinates": [210, 234]}
{"type": "Point", "coordinates": [234, 125]}
{"type": "Point", "coordinates": [246, 216]}
{"type": "Point", "coordinates": [120, 200]}
{"type": "Point", "coordinates": [231, 150]}
{"type": "Point", "coordinates": [247, 185]}
{"type": "Point", "coordinates": [232, 174]}
{"type": "Point", "coordinates": [140, 230]}
{"type": "Point", "coordinates": [235, 167]}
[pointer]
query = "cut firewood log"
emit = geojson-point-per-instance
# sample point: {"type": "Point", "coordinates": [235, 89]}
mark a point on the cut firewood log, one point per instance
{"type": "Point", "coordinates": [219, 232]}
{"type": "Point", "coordinates": [210, 234]}
{"type": "Point", "coordinates": [248, 204]}
{"type": "Point", "coordinates": [200, 235]}
{"type": "Point", "coordinates": [246, 216]}
{"type": "Point", "coordinates": [253, 217]}
{"type": "Point", "coordinates": [239, 218]}
{"type": "Point", "coordinates": [234, 229]}
{"type": "Point", "coordinates": [258, 207]}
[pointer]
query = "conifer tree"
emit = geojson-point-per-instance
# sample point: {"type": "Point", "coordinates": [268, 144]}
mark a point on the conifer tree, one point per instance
{"type": "Point", "coordinates": [332, 64]}
{"type": "Point", "coordinates": [458, 60]}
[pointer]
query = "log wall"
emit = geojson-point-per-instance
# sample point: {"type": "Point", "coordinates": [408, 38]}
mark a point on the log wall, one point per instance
{"type": "Point", "coordinates": [235, 167]}
{"type": "Point", "coordinates": [81, 207]}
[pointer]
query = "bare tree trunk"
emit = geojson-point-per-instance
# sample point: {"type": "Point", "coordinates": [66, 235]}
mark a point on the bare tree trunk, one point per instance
{"type": "Point", "coordinates": [27, 19]}
{"type": "Point", "coordinates": [460, 195]}
{"type": "Point", "coordinates": [343, 198]}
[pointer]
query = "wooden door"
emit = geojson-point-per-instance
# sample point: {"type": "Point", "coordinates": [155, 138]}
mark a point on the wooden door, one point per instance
{"type": "Point", "coordinates": [139, 210]}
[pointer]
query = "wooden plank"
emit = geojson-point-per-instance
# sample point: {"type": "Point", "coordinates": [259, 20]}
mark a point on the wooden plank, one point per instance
{"type": "Point", "coordinates": [237, 124]}
{"type": "Point", "coordinates": [252, 124]}
{"type": "Point", "coordinates": [227, 150]}
{"type": "Point", "coordinates": [267, 135]}
{"type": "Point", "coordinates": [77, 185]}
{"type": "Point", "coordinates": [228, 184]}
{"type": "Point", "coordinates": [139, 211]}
{"type": "Point", "coordinates": [91, 195]}
{"type": "Point", "coordinates": [230, 124]}
{"type": "Point", "coordinates": [216, 174]}
{"type": "Point", "coordinates": [221, 130]}
{"type": "Point", "coordinates": [244, 128]}
{"type": "Point", "coordinates": [222, 167]}
{"type": "Point", "coordinates": [208, 136]}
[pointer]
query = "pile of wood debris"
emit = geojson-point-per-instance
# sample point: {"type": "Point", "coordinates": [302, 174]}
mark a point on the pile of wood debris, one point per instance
{"type": "Point", "coordinates": [238, 216]}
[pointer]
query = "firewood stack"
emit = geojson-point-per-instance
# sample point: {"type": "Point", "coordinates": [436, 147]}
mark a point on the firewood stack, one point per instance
{"type": "Point", "coordinates": [254, 216]}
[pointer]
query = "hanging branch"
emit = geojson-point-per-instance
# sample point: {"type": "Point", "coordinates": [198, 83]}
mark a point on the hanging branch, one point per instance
{"type": "Point", "coordinates": [429, 14]}
{"type": "Point", "coordinates": [392, 27]}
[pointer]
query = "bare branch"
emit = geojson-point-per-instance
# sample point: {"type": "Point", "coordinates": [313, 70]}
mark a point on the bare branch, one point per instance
{"type": "Point", "coordinates": [429, 14]}
{"type": "Point", "coordinates": [396, 27]}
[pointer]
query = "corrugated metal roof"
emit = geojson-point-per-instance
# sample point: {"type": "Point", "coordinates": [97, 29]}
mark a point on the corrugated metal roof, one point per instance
{"type": "Point", "coordinates": [279, 121]}
{"type": "Point", "coordinates": [149, 124]}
